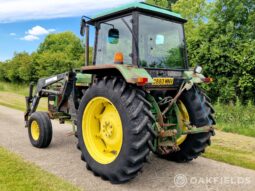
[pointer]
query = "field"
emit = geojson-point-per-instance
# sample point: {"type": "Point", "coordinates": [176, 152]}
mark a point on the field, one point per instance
{"type": "Point", "coordinates": [16, 174]}
{"type": "Point", "coordinates": [237, 118]}
{"type": "Point", "coordinates": [13, 96]}
{"type": "Point", "coordinates": [234, 147]}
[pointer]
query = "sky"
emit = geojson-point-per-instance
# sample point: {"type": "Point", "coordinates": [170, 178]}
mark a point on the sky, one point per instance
{"type": "Point", "coordinates": [25, 23]}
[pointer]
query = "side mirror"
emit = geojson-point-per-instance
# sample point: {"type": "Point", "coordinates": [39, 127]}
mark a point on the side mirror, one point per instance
{"type": "Point", "coordinates": [83, 26]}
{"type": "Point", "coordinates": [113, 36]}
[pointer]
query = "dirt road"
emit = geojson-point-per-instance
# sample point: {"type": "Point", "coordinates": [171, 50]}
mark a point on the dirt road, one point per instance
{"type": "Point", "coordinates": [63, 159]}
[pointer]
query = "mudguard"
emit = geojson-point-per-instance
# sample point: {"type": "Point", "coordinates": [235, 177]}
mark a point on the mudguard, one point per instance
{"type": "Point", "coordinates": [130, 73]}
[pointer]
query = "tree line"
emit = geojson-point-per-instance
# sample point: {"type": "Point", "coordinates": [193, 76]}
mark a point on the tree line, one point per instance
{"type": "Point", "coordinates": [220, 36]}
{"type": "Point", "coordinates": [56, 54]}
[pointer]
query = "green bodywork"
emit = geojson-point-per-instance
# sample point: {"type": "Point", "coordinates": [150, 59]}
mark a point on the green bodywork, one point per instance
{"type": "Point", "coordinates": [83, 79]}
{"type": "Point", "coordinates": [129, 72]}
{"type": "Point", "coordinates": [132, 73]}
{"type": "Point", "coordinates": [139, 5]}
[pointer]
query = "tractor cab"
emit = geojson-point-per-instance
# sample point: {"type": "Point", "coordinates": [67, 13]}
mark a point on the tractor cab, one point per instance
{"type": "Point", "coordinates": [141, 35]}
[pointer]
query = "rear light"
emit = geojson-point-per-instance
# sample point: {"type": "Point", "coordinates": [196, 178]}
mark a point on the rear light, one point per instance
{"type": "Point", "coordinates": [142, 81]}
{"type": "Point", "coordinates": [207, 80]}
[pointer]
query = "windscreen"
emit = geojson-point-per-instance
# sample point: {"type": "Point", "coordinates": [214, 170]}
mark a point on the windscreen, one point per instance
{"type": "Point", "coordinates": [161, 43]}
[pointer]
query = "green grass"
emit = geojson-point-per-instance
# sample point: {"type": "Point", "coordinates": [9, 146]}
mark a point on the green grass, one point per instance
{"type": "Point", "coordinates": [18, 175]}
{"type": "Point", "coordinates": [237, 118]}
{"type": "Point", "coordinates": [13, 96]}
{"type": "Point", "coordinates": [21, 89]}
{"type": "Point", "coordinates": [232, 149]}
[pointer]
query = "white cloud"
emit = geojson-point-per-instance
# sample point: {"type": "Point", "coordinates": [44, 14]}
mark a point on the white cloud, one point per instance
{"type": "Point", "coordinates": [38, 31]}
{"type": "Point", "coordinates": [34, 33]}
{"type": "Point", "coordinates": [12, 34]}
{"type": "Point", "coordinates": [29, 38]}
{"type": "Point", "coordinates": [16, 10]}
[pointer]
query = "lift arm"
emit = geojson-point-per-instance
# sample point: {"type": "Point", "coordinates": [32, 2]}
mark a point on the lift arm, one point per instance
{"type": "Point", "coordinates": [42, 90]}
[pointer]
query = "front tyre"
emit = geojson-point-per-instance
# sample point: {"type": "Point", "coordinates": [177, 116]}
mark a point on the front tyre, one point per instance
{"type": "Point", "coordinates": [113, 122]}
{"type": "Point", "coordinates": [40, 129]}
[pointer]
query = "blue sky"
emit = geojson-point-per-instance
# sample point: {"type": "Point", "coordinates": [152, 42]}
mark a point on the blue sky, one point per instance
{"type": "Point", "coordinates": [25, 23]}
{"type": "Point", "coordinates": [12, 34]}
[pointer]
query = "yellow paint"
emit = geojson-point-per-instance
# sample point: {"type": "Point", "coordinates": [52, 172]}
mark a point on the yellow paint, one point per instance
{"type": "Point", "coordinates": [184, 117]}
{"type": "Point", "coordinates": [102, 130]}
{"type": "Point", "coordinates": [35, 130]}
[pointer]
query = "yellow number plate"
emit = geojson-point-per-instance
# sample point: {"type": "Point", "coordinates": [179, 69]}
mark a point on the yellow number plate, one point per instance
{"type": "Point", "coordinates": [163, 81]}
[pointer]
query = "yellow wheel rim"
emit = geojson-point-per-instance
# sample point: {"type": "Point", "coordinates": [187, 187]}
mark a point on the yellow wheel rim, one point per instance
{"type": "Point", "coordinates": [102, 130]}
{"type": "Point", "coordinates": [35, 130]}
{"type": "Point", "coordinates": [184, 118]}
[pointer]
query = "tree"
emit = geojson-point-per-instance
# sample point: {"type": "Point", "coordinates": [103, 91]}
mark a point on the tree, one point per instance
{"type": "Point", "coordinates": [58, 53]}
{"type": "Point", "coordinates": [19, 69]}
{"type": "Point", "coordinates": [224, 45]}
{"type": "Point", "coordinates": [162, 3]}
{"type": "Point", "coordinates": [2, 71]}
{"type": "Point", "coordinates": [24, 64]}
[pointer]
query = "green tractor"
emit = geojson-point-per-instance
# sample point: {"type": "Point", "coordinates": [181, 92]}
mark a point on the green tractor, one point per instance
{"type": "Point", "coordinates": [138, 96]}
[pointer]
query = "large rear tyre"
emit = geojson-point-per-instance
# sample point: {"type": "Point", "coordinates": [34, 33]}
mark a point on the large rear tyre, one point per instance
{"type": "Point", "coordinates": [40, 129]}
{"type": "Point", "coordinates": [113, 135]}
{"type": "Point", "coordinates": [200, 113]}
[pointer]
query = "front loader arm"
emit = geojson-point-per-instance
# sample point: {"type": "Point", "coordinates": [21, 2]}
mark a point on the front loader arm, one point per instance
{"type": "Point", "coordinates": [32, 101]}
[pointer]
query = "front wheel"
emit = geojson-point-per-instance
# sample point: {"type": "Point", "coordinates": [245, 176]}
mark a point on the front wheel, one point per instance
{"type": "Point", "coordinates": [113, 122]}
{"type": "Point", "coordinates": [40, 129]}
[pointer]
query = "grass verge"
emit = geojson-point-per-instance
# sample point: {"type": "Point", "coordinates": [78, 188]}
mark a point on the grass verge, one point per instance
{"type": "Point", "coordinates": [16, 174]}
{"type": "Point", "coordinates": [20, 89]}
{"type": "Point", "coordinates": [232, 149]}
{"type": "Point", "coordinates": [236, 118]}
{"type": "Point", "coordinates": [13, 96]}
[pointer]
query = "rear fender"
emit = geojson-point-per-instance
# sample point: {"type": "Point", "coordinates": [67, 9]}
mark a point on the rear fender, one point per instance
{"type": "Point", "coordinates": [130, 73]}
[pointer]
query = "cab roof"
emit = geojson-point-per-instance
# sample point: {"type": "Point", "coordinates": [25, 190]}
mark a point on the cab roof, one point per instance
{"type": "Point", "coordinates": [136, 6]}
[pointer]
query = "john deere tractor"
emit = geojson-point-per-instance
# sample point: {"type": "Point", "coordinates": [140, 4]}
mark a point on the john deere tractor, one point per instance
{"type": "Point", "coordinates": [138, 96]}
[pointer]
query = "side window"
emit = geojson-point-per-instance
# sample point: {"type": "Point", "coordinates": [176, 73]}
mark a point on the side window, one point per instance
{"type": "Point", "coordinates": [114, 37]}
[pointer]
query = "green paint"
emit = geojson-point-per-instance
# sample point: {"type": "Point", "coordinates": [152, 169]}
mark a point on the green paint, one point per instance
{"type": "Point", "coordinates": [83, 79]}
{"type": "Point", "coordinates": [56, 101]}
{"type": "Point", "coordinates": [195, 130]}
{"type": "Point", "coordinates": [155, 110]}
{"type": "Point", "coordinates": [173, 117]}
{"type": "Point", "coordinates": [139, 5]}
{"type": "Point", "coordinates": [131, 73]}
{"type": "Point", "coordinates": [155, 107]}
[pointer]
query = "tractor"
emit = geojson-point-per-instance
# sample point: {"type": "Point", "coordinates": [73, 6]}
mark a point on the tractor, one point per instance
{"type": "Point", "coordinates": [137, 97]}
